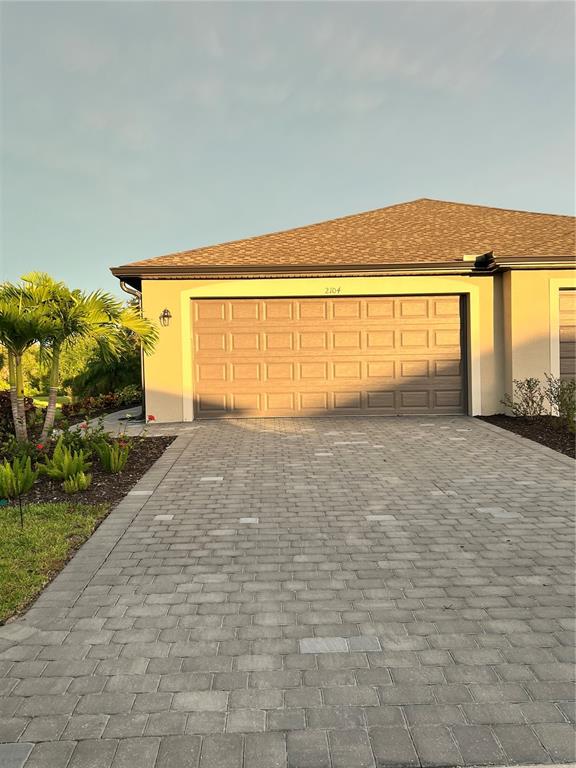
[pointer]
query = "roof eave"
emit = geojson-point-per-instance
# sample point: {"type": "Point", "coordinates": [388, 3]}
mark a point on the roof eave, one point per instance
{"type": "Point", "coordinates": [133, 274]}
{"type": "Point", "coordinates": [152, 272]}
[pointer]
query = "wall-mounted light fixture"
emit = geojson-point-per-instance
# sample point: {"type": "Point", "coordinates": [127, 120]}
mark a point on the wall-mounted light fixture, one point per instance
{"type": "Point", "coordinates": [165, 317]}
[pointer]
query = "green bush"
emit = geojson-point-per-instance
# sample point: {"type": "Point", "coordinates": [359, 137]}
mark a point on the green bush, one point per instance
{"type": "Point", "coordinates": [561, 394]}
{"type": "Point", "coordinates": [99, 376]}
{"type": "Point", "coordinates": [130, 395]}
{"type": "Point", "coordinates": [16, 477]}
{"type": "Point", "coordinates": [6, 421]}
{"type": "Point", "coordinates": [64, 463]}
{"type": "Point", "coordinates": [527, 398]}
{"type": "Point", "coordinates": [91, 406]}
{"type": "Point", "coordinates": [82, 437]}
{"type": "Point", "coordinates": [114, 457]}
{"type": "Point", "coordinates": [78, 482]}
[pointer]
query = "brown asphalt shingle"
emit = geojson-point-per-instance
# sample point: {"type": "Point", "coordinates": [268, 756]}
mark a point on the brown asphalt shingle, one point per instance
{"type": "Point", "coordinates": [421, 231]}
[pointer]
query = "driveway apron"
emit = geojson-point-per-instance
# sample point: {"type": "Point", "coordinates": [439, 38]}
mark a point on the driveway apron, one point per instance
{"type": "Point", "coordinates": [312, 593]}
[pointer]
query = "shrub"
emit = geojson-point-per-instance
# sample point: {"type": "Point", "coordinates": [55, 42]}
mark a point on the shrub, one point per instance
{"type": "Point", "coordinates": [15, 448]}
{"type": "Point", "coordinates": [64, 463]}
{"type": "Point", "coordinates": [130, 395]}
{"type": "Point", "coordinates": [6, 421]}
{"type": "Point", "coordinates": [114, 457]}
{"type": "Point", "coordinates": [561, 394]}
{"type": "Point", "coordinates": [77, 482]}
{"type": "Point", "coordinates": [527, 398]}
{"type": "Point", "coordinates": [17, 478]}
{"type": "Point", "coordinates": [91, 406]}
{"type": "Point", "coordinates": [83, 437]}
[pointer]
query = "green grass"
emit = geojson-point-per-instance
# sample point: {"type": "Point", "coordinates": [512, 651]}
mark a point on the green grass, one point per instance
{"type": "Point", "coordinates": [29, 558]}
{"type": "Point", "coordinates": [41, 401]}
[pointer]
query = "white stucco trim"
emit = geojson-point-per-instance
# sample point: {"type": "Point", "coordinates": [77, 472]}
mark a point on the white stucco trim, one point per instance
{"type": "Point", "coordinates": [556, 285]}
{"type": "Point", "coordinates": [350, 286]}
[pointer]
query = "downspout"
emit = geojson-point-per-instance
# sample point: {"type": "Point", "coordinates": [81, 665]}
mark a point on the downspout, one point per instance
{"type": "Point", "coordinates": [138, 294]}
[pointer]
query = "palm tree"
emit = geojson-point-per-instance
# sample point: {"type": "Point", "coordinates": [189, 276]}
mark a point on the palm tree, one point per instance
{"type": "Point", "coordinates": [22, 324]}
{"type": "Point", "coordinates": [72, 315]}
{"type": "Point", "coordinates": [41, 310]}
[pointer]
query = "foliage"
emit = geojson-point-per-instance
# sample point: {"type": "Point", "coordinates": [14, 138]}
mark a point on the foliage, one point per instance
{"type": "Point", "coordinates": [64, 463]}
{"type": "Point", "coordinates": [83, 437]}
{"type": "Point", "coordinates": [13, 448]}
{"type": "Point", "coordinates": [527, 398]}
{"type": "Point", "coordinates": [113, 457]}
{"type": "Point", "coordinates": [40, 310]}
{"type": "Point", "coordinates": [100, 375]}
{"type": "Point", "coordinates": [561, 394]}
{"type": "Point", "coordinates": [112, 401]}
{"type": "Point", "coordinates": [29, 558]}
{"type": "Point", "coordinates": [22, 324]}
{"type": "Point", "coordinates": [556, 397]}
{"type": "Point", "coordinates": [130, 395]}
{"type": "Point", "coordinates": [74, 359]}
{"type": "Point", "coordinates": [16, 477]}
{"type": "Point", "coordinates": [77, 482]}
{"type": "Point", "coordinates": [89, 406]}
{"type": "Point", "coordinates": [35, 370]}
{"type": "Point", "coordinates": [6, 419]}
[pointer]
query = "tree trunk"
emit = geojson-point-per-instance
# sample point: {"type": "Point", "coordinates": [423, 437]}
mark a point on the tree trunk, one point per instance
{"type": "Point", "coordinates": [20, 428]}
{"type": "Point", "coordinates": [12, 382]}
{"type": "Point", "coordinates": [52, 395]}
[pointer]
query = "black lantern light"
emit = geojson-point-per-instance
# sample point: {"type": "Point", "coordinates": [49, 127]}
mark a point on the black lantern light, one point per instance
{"type": "Point", "coordinates": [165, 317]}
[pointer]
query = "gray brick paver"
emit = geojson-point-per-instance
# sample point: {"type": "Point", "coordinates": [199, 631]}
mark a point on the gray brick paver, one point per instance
{"type": "Point", "coordinates": [50, 754]}
{"type": "Point", "coordinates": [393, 606]}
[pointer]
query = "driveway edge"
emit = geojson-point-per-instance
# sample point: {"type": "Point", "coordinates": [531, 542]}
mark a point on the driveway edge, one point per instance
{"type": "Point", "coordinates": [61, 594]}
{"type": "Point", "coordinates": [524, 441]}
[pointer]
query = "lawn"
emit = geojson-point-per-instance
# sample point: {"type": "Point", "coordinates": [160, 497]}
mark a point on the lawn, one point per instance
{"type": "Point", "coordinates": [31, 557]}
{"type": "Point", "coordinates": [41, 401]}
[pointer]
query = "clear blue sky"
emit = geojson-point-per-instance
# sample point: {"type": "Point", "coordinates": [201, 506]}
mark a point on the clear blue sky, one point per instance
{"type": "Point", "coordinates": [133, 129]}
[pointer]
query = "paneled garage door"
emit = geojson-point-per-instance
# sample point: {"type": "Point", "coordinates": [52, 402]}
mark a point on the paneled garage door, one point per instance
{"type": "Point", "coordinates": [567, 334]}
{"type": "Point", "coordinates": [310, 357]}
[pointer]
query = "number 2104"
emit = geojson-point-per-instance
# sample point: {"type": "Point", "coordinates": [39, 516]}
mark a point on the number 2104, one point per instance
{"type": "Point", "coordinates": [332, 291]}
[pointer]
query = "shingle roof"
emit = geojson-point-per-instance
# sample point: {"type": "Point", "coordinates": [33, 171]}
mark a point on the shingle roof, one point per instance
{"type": "Point", "coordinates": [421, 231]}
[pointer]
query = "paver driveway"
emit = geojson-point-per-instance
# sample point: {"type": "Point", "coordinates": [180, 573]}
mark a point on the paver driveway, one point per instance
{"type": "Point", "coordinates": [326, 593]}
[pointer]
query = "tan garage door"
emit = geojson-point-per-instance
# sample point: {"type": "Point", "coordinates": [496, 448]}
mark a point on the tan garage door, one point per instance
{"type": "Point", "coordinates": [567, 334]}
{"type": "Point", "coordinates": [304, 357]}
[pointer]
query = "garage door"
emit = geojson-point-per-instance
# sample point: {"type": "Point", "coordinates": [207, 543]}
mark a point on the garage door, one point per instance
{"type": "Point", "coordinates": [567, 334]}
{"type": "Point", "coordinates": [310, 357]}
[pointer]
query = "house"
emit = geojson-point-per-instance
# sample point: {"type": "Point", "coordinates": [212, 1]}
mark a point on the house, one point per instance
{"type": "Point", "coordinates": [426, 307]}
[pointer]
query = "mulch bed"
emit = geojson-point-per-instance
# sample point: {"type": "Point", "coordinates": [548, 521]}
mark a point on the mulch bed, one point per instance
{"type": "Point", "coordinates": [547, 430]}
{"type": "Point", "coordinates": [105, 488]}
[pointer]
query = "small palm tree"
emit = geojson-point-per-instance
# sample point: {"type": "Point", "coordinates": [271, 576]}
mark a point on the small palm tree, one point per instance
{"type": "Point", "coordinates": [72, 315]}
{"type": "Point", "coordinates": [40, 309]}
{"type": "Point", "coordinates": [22, 324]}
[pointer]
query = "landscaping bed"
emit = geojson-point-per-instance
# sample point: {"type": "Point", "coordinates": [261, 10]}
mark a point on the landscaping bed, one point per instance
{"type": "Point", "coordinates": [546, 430]}
{"type": "Point", "coordinates": [56, 523]}
{"type": "Point", "coordinates": [105, 488]}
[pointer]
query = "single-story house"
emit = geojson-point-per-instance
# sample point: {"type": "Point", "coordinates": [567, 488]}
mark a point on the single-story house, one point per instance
{"type": "Point", "coordinates": [426, 307]}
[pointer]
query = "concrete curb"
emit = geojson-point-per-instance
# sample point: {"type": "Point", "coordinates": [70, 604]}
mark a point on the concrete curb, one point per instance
{"type": "Point", "coordinates": [526, 443]}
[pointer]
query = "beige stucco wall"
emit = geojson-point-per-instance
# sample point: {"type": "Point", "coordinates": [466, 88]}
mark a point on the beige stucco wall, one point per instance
{"type": "Point", "coordinates": [168, 372]}
{"type": "Point", "coordinates": [513, 319]}
{"type": "Point", "coordinates": [530, 301]}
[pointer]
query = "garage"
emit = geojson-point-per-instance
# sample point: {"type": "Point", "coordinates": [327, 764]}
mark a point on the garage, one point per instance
{"type": "Point", "coordinates": [567, 334]}
{"type": "Point", "coordinates": [328, 355]}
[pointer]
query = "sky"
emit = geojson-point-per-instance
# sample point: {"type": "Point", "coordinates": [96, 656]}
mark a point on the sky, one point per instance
{"type": "Point", "coordinates": [134, 129]}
